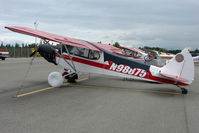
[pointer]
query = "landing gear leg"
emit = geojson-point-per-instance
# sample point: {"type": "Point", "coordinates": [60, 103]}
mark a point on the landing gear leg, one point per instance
{"type": "Point", "coordinates": [72, 78]}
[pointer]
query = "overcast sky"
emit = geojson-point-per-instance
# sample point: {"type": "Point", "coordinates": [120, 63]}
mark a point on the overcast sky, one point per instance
{"type": "Point", "coordinates": [164, 23]}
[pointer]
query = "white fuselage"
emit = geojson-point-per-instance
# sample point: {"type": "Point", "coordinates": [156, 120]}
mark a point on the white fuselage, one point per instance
{"type": "Point", "coordinates": [98, 66]}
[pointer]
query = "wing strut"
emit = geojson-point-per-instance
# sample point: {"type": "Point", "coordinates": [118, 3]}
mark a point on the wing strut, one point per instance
{"type": "Point", "coordinates": [69, 57]}
{"type": "Point", "coordinates": [72, 66]}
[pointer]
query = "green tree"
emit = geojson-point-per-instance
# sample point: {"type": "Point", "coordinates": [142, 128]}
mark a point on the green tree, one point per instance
{"type": "Point", "coordinates": [2, 46]}
{"type": "Point", "coordinates": [33, 45]}
{"type": "Point", "coordinates": [195, 51]}
{"type": "Point", "coordinates": [116, 44]}
{"type": "Point", "coordinates": [17, 45]}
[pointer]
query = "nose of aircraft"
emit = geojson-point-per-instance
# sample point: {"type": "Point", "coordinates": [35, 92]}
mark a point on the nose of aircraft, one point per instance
{"type": "Point", "coordinates": [47, 52]}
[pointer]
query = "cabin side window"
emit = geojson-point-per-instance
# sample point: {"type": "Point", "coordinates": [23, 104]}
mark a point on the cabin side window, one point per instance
{"type": "Point", "coordinates": [82, 52]}
{"type": "Point", "coordinates": [68, 47]}
{"type": "Point", "coordinates": [95, 55]}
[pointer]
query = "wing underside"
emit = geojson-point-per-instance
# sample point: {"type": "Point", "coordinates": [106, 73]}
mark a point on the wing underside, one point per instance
{"type": "Point", "coordinates": [52, 37]}
{"type": "Point", "coordinates": [107, 49]}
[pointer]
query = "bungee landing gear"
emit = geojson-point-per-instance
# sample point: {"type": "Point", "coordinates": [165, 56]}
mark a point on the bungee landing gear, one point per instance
{"type": "Point", "coordinates": [183, 90]}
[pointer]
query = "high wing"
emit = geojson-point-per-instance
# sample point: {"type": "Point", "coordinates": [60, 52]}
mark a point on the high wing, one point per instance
{"type": "Point", "coordinates": [108, 50]}
{"type": "Point", "coordinates": [61, 39]}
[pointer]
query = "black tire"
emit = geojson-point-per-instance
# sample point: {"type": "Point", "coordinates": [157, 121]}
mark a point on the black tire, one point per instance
{"type": "Point", "coordinates": [184, 91]}
{"type": "Point", "coordinates": [72, 78]}
{"type": "Point", "coordinates": [3, 58]}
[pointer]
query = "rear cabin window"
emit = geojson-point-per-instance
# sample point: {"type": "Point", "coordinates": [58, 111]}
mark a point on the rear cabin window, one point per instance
{"type": "Point", "coordinates": [132, 53]}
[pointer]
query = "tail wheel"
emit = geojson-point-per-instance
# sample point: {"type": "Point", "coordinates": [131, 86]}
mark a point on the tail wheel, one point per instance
{"type": "Point", "coordinates": [184, 91]}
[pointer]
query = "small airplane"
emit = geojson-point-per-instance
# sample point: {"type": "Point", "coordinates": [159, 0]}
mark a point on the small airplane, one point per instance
{"type": "Point", "coordinates": [166, 56]}
{"type": "Point", "coordinates": [150, 57]}
{"type": "Point", "coordinates": [196, 59]}
{"type": "Point", "coordinates": [76, 56]}
{"type": "Point", "coordinates": [135, 54]}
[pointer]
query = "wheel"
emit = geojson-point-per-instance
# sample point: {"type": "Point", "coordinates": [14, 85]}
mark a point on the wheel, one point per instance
{"type": "Point", "coordinates": [55, 79]}
{"type": "Point", "coordinates": [3, 58]}
{"type": "Point", "coordinates": [72, 78]}
{"type": "Point", "coordinates": [184, 91]}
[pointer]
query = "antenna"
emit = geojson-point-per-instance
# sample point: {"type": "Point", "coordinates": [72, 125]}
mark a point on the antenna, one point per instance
{"type": "Point", "coordinates": [36, 25]}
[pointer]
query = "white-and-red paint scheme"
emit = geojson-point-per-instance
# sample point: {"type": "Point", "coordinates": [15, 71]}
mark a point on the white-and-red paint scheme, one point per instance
{"type": "Point", "coordinates": [4, 54]}
{"type": "Point", "coordinates": [196, 59]}
{"type": "Point", "coordinates": [155, 74]}
{"type": "Point", "coordinates": [178, 71]}
{"type": "Point", "coordinates": [134, 53]}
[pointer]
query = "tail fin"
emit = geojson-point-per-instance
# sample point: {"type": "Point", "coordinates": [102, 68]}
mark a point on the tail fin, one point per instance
{"type": "Point", "coordinates": [180, 67]}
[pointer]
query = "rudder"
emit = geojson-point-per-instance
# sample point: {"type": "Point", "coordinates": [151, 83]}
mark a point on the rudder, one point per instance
{"type": "Point", "coordinates": [180, 67]}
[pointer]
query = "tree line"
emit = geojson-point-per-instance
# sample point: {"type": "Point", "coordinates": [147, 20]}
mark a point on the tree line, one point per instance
{"type": "Point", "coordinates": [116, 44]}
{"type": "Point", "coordinates": [175, 51]}
{"type": "Point", "coordinates": [16, 45]}
{"type": "Point", "coordinates": [18, 50]}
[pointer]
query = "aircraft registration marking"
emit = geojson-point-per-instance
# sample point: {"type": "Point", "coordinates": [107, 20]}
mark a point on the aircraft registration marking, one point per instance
{"type": "Point", "coordinates": [44, 89]}
{"type": "Point", "coordinates": [127, 70]}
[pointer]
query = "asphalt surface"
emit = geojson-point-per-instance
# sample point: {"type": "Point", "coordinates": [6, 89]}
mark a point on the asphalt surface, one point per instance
{"type": "Point", "coordinates": [101, 104]}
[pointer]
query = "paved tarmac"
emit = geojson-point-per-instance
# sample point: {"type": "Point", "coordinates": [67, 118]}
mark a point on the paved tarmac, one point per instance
{"type": "Point", "coordinates": [101, 104]}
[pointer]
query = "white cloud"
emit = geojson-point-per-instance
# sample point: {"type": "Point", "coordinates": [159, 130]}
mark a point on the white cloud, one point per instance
{"type": "Point", "coordinates": [13, 40]}
{"type": "Point", "coordinates": [139, 22]}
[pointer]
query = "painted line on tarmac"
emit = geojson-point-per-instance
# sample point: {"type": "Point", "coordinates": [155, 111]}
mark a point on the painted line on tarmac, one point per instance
{"type": "Point", "coordinates": [44, 89]}
{"type": "Point", "coordinates": [93, 86]}
{"type": "Point", "coordinates": [32, 92]}
{"type": "Point", "coordinates": [128, 89]}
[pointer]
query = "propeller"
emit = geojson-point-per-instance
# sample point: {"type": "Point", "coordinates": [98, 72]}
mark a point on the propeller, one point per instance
{"type": "Point", "coordinates": [33, 53]}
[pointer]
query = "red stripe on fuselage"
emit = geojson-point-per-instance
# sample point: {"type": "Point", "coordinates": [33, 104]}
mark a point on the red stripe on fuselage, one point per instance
{"type": "Point", "coordinates": [88, 62]}
{"type": "Point", "coordinates": [104, 66]}
{"type": "Point", "coordinates": [164, 80]}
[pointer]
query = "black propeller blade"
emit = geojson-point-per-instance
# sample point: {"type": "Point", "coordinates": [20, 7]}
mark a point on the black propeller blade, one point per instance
{"type": "Point", "coordinates": [32, 54]}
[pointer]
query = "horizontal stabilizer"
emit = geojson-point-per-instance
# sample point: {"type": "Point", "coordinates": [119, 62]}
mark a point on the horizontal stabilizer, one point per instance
{"type": "Point", "coordinates": [174, 77]}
